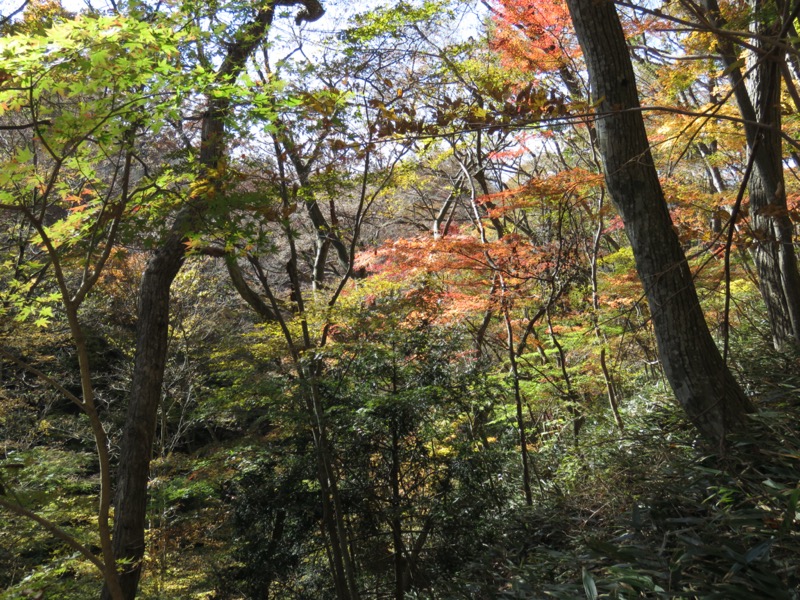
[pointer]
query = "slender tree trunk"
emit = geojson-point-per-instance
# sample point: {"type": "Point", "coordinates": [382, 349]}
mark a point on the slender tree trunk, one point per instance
{"type": "Point", "coordinates": [523, 437]}
{"type": "Point", "coordinates": [398, 549]}
{"type": "Point", "coordinates": [333, 511]}
{"type": "Point", "coordinates": [342, 565]}
{"type": "Point", "coordinates": [692, 363]}
{"type": "Point", "coordinates": [332, 525]}
{"type": "Point", "coordinates": [327, 233]}
{"type": "Point", "coordinates": [611, 390]}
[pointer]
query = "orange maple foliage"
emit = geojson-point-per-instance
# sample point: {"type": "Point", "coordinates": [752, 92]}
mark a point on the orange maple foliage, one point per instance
{"type": "Point", "coordinates": [553, 189]}
{"type": "Point", "coordinates": [464, 275]}
{"type": "Point", "coordinates": [533, 36]}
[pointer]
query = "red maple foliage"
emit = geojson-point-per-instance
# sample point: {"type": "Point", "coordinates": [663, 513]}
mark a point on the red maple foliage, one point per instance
{"type": "Point", "coordinates": [533, 36]}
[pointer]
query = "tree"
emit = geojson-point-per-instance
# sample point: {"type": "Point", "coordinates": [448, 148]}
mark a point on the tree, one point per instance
{"type": "Point", "coordinates": [153, 317]}
{"type": "Point", "coordinates": [758, 96]}
{"type": "Point", "coordinates": [72, 100]}
{"type": "Point", "coordinates": [701, 381]}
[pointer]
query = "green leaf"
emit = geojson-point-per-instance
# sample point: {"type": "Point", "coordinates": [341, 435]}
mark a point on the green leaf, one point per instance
{"type": "Point", "coordinates": [24, 155]}
{"type": "Point", "coordinates": [588, 584]}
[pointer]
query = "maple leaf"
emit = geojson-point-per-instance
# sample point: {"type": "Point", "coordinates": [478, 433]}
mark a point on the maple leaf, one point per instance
{"type": "Point", "coordinates": [533, 36]}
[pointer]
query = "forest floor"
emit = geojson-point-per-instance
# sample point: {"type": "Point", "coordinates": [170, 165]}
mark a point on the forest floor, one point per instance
{"type": "Point", "coordinates": [648, 512]}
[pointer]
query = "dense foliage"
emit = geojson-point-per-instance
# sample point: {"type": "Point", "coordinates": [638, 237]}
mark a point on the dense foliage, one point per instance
{"type": "Point", "coordinates": [297, 305]}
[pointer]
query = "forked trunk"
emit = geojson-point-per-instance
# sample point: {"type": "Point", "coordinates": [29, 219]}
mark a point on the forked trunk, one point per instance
{"type": "Point", "coordinates": [759, 105]}
{"type": "Point", "coordinates": [153, 312]}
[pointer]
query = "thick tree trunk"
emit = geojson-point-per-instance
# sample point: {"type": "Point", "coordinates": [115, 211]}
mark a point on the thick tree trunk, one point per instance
{"type": "Point", "coordinates": [152, 329]}
{"type": "Point", "coordinates": [692, 363]}
{"type": "Point", "coordinates": [130, 504]}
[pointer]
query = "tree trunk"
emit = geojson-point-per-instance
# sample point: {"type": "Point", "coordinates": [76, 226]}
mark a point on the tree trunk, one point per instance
{"type": "Point", "coordinates": [759, 106]}
{"type": "Point", "coordinates": [692, 363]}
{"type": "Point", "coordinates": [523, 437]}
{"type": "Point", "coordinates": [145, 395]}
{"type": "Point", "coordinates": [398, 548]}
{"type": "Point", "coordinates": [153, 313]}
{"type": "Point", "coordinates": [773, 252]}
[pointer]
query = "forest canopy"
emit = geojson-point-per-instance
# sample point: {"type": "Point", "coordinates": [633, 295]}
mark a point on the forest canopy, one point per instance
{"type": "Point", "coordinates": [421, 299]}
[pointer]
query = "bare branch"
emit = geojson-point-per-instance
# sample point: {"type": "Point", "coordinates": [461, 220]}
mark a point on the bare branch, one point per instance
{"type": "Point", "coordinates": [55, 530]}
{"type": "Point", "coordinates": [31, 369]}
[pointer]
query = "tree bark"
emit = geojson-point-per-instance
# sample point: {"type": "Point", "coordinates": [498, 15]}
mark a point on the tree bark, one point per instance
{"type": "Point", "coordinates": [145, 394]}
{"type": "Point", "coordinates": [759, 105]}
{"type": "Point", "coordinates": [773, 251]}
{"type": "Point", "coordinates": [692, 363]}
{"type": "Point", "coordinates": [153, 311]}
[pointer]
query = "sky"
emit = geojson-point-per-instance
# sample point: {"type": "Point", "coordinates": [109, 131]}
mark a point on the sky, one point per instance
{"type": "Point", "coordinates": [336, 11]}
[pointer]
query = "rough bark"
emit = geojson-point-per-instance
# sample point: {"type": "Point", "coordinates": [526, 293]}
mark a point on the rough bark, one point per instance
{"type": "Point", "coordinates": [153, 312]}
{"type": "Point", "coordinates": [759, 105]}
{"type": "Point", "coordinates": [145, 394]}
{"type": "Point", "coordinates": [773, 251]}
{"type": "Point", "coordinates": [692, 363]}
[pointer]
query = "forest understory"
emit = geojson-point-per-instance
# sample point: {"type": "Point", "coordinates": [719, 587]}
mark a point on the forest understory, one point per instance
{"type": "Point", "coordinates": [310, 299]}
